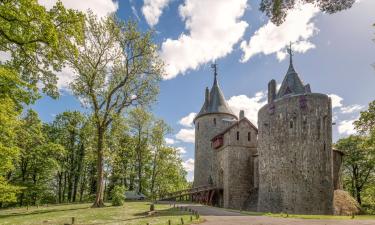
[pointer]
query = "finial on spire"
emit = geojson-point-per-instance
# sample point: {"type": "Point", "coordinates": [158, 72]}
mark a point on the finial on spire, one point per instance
{"type": "Point", "coordinates": [214, 67]}
{"type": "Point", "coordinates": [290, 51]}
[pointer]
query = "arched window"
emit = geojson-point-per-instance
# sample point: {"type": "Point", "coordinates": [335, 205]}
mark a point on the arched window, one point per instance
{"type": "Point", "coordinates": [248, 136]}
{"type": "Point", "coordinates": [238, 135]}
{"type": "Point", "coordinates": [215, 121]}
{"type": "Point", "coordinates": [291, 124]}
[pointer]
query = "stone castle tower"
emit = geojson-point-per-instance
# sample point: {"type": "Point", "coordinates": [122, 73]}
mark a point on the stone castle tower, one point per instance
{"type": "Point", "coordinates": [295, 149]}
{"type": "Point", "coordinates": [214, 117]}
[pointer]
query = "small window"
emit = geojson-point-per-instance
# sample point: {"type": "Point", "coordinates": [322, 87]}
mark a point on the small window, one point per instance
{"type": "Point", "coordinates": [249, 136]}
{"type": "Point", "coordinates": [215, 121]}
{"type": "Point", "coordinates": [238, 135]}
{"type": "Point", "coordinates": [291, 124]}
{"type": "Point", "coordinates": [197, 126]}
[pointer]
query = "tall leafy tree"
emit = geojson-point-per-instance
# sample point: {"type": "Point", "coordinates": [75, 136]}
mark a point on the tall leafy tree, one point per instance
{"type": "Point", "coordinates": [38, 40]}
{"type": "Point", "coordinates": [359, 163]}
{"type": "Point", "coordinates": [118, 67]}
{"type": "Point", "coordinates": [277, 10]}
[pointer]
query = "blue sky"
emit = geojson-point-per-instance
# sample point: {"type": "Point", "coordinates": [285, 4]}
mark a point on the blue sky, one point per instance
{"type": "Point", "coordinates": [334, 54]}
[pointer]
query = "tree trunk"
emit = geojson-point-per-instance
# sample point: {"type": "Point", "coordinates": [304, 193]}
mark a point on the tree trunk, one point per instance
{"type": "Point", "coordinates": [59, 177]}
{"type": "Point", "coordinates": [100, 171]}
{"type": "Point", "coordinates": [78, 172]}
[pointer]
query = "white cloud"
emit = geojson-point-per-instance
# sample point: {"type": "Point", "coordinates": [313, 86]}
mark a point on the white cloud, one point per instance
{"type": "Point", "coordinates": [99, 7]}
{"type": "Point", "coordinates": [65, 77]}
{"type": "Point", "coordinates": [270, 38]}
{"type": "Point", "coordinates": [351, 108]}
{"type": "Point", "coordinates": [189, 165]}
{"type": "Point", "coordinates": [336, 101]}
{"type": "Point", "coordinates": [170, 141]}
{"type": "Point", "coordinates": [181, 150]}
{"type": "Point", "coordinates": [213, 28]}
{"type": "Point", "coordinates": [5, 56]}
{"type": "Point", "coordinates": [346, 127]}
{"type": "Point", "coordinates": [187, 121]}
{"type": "Point", "coordinates": [250, 105]}
{"type": "Point", "coordinates": [186, 135]}
{"type": "Point", "coordinates": [152, 10]}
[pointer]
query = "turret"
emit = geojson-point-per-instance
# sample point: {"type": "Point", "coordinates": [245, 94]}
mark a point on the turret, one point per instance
{"type": "Point", "coordinates": [294, 147]}
{"type": "Point", "coordinates": [214, 117]}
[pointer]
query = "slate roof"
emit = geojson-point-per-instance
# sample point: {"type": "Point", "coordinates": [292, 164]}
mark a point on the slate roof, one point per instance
{"type": "Point", "coordinates": [234, 125]}
{"type": "Point", "coordinates": [292, 84]}
{"type": "Point", "coordinates": [215, 103]}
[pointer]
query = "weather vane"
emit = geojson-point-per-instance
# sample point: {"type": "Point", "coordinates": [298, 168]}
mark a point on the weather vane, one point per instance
{"type": "Point", "coordinates": [290, 51]}
{"type": "Point", "coordinates": [214, 67]}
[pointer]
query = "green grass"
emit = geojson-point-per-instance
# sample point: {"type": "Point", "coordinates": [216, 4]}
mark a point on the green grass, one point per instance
{"type": "Point", "coordinates": [131, 213]}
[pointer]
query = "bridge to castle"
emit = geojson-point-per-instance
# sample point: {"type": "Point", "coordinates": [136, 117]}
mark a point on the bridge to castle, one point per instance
{"type": "Point", "coordinates": [202, 194]}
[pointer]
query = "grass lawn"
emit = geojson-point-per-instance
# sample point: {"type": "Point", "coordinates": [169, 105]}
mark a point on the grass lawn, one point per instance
{"type": "Point", "coordinates": [130, 213]}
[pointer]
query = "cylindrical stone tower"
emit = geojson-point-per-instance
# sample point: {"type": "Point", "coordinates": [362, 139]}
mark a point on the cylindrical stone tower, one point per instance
{"type": "Point", "coordinates": [295, 150]}
{"type": "Point", "coordinates": [214, 117]}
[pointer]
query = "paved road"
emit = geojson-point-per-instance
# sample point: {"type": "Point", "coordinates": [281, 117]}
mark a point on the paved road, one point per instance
{"type": "Point", "coordinates": [217, 216]}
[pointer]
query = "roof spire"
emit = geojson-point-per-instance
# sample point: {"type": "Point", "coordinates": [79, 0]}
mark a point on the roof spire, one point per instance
{"type": "Point", "coordinates": [214, 67]}
{"type": "Point", "coordinates": [290, 51]}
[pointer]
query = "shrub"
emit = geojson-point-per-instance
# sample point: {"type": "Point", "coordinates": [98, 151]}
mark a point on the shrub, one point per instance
{"type": "Point", "coordinates": [118, 195]}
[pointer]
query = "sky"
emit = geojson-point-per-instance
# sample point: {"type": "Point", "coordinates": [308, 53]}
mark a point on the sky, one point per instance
{"type": "Point", "coordinates": [333, 53]}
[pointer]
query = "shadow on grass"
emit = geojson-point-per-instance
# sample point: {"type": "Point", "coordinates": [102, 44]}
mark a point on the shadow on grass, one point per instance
{"type": "Point", "coordinates": [39, 212]}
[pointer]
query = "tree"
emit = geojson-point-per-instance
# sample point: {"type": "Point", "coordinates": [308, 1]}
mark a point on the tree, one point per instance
{"type": "Point", "coordinates": [277, 10]}
{"type": "Point", "coordinates": [140, 122]}
{"type": "Point", "coordinates": [159, 131]}
{"type": "Point", "coordinates": [12, 96]}
{"type": "Point", "coordinates": [37, 162]}
{"type": "Point", "coordinates": [359, 163]}
{"type": "Point", "coordinates": [67, 130]}
{"type": "Point", "coordinates": [118, 67]}
{"type": "Point", "coordinates": [38, 40]}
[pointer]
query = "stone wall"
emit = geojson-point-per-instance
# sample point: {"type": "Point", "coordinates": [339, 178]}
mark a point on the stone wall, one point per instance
{"type": "Point", "coordinates": [295, 155]}
{"type": "Point", "coordinates": [337, 161]}
{"type": "Point", "coordinates": [235, 168]}
{"type": "Point", "coordinates": [206, 127]}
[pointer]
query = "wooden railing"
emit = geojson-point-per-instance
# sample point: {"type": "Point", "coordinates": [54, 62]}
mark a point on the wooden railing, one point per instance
{"type": "Point", "coordinates": [201, 194]}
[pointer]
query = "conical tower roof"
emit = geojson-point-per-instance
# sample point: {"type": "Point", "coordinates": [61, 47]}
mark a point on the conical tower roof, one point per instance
{"type": "Point", "coordinates": [215, 101]}
{"type": "Point", "coordinates": [292, 84]}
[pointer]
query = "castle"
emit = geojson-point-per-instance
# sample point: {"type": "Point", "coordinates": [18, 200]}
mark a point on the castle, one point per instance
{"type": "Point", "coordinates": [285, 164]}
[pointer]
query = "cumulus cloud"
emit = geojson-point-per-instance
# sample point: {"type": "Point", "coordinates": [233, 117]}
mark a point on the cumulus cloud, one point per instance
{"type": "Point", "coordinates": [186, 135]}
{"type": "Point", "coordinates": [346, 127]}
{"type": "Point", "coordinates": [214, 26]}
{"type": "Point", "coordinates": [5, 56]}
{"type": "Point", "coordinates": [250, 105]}
{"type": "Point", "coordinates": [181, 150]}
{"type": "Point", "coordinates": [187, 121]}
{"type": "Point", "coordinates": [351, 108]}
{"type": "Point", "coordinates": [170, 141]}
{"type": "Point", "coordinates": [336, 101]}
{"type": "Point", "coordinates": [269, 39]}
{"type": "Point", "coordinates": [152, 10]}
{"type": "Point", "coordinates": [64, 78]}
{"type": "Point", "coordinates": [99, 7]}
{"type": "Point", "coordinates": [189, 165]}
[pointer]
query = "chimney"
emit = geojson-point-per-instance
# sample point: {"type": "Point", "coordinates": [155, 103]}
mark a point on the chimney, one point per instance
{"type": "Point", "coordinates": [242, 114]}
{"type": "Point", "coordinates": [271, 90]}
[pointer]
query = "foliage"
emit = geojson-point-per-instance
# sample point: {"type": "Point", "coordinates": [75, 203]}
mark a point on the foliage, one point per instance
{"type": "Point", "coordinates": [359, 159]}
{"type": "Point", "coordinates": [118, 196]}
{"type": "Point", "coordinates": [277, 10]}
{"type": "Point", "coordinates": [38, 40]}
{"type": "Point", "coordinates": [118, 67]}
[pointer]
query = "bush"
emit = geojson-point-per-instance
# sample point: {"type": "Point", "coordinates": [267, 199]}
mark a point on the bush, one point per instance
{"type": "Point", "coordinates": [118, 195]}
